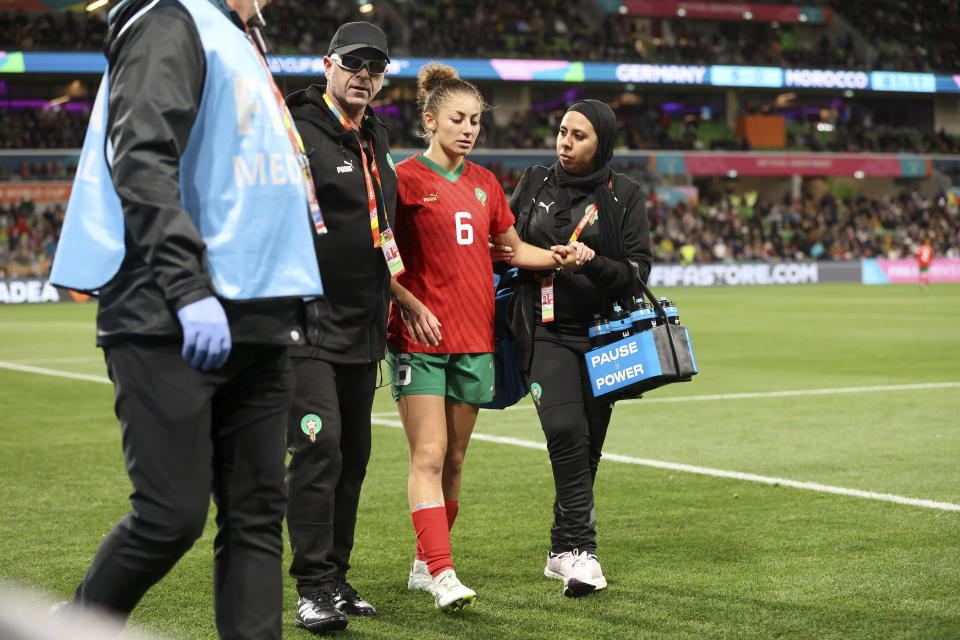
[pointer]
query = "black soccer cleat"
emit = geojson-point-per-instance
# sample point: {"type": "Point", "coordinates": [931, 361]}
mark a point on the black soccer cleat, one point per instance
{"type": "Point", "coordinates": [316, 613]}
{"type": "Point", "coordinates": [346, 600]}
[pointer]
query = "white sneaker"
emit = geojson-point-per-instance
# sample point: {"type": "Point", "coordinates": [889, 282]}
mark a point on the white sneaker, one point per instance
{"type": "Point", "coordinates": [576, 572]}
{"type": "Point", "coordinates": [420, 578]}
{"type": "Point", "coordinates": [449, 593]}
{"type": "Point", "coordinates": [593, 567]}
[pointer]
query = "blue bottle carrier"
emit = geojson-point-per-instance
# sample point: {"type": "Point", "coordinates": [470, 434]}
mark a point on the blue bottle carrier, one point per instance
{"type": "Point", "coordinates": [643, 361]}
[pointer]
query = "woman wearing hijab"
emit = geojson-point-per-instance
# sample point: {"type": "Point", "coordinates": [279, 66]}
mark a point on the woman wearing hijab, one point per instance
{"type": "Point", "coordinates": [577, 198]}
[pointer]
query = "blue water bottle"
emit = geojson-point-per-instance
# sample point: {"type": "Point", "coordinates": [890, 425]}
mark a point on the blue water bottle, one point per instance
{"type": "Point", "coordinates": [643, 316]}
{"type": "Point", "coordinates": [620, 324]}
{"type": "Point", "coordinates": [673, 316]}
{"type": "Point", "coordinates": [599, 332]}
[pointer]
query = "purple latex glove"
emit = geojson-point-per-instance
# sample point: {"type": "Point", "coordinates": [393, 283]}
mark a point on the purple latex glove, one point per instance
{"type": "Point", "coordinates": [206, 334]}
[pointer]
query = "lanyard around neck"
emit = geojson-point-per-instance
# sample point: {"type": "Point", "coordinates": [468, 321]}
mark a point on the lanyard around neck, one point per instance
{"type": "Point", "coordinates": [372, 187]}
{"type": "Point", "coordinates": [591, 213]}
{"type": "Point", "coordinates": [295, 140]}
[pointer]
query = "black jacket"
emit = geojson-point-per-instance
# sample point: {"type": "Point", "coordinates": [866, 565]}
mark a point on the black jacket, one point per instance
{"type": "Point", "coordinates": [603, 280]}
{"type": "Point", "coordinates": [157, 69]}
{"type": "Point", "coordinates": [349, 323]}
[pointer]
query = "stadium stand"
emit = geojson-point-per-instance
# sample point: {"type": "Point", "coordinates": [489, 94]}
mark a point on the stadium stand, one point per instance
{"type": "Point", "coordinates": [884, 35]}
{"type": "Point", "coordinates": [28, 238]}
{"type": "Point", "coordinates": [908, 36]}
{"type": "Point", "coordinates": [641, 127]}
{"type": "Point", "coordinates": [42, 127]}
{"type": "Point", "coordinates": [734, 227]}
{"type": "Point", "coordinates": [740, 227]}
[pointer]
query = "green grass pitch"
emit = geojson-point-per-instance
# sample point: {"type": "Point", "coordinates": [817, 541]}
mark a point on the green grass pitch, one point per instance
{"type": "Point", "coordinates": [686, 555]}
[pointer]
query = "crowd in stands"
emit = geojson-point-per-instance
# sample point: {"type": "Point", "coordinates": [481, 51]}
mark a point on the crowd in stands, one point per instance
{"type": "Point", "coordinates": [28, 238]}
{"type": "Point", "coordinates": [902, 36]}
{"type": "Point", "coordinates": [650, 127]}
{"type": "Point", "coordinates": [733, 227]}
{"type": "Point", "coordinates": [706, 42]}
{"type": "Point", "coordinates": [552, 29]}
{"type": "Point", "coordinates": [52, 30]}
{"type": "Point", "coordinates": [48, 170]}
{"type": "Point", "coordinates": [744, 228]}
{"type": "Point", "coordinates": [640, 127]}
{"type": "Point", "coordinates": [39, 128]}
{"type": "Point", "coordinates": [908, 36]}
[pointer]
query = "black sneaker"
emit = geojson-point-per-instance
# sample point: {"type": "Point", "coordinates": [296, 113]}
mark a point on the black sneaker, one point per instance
{"type": "Point", "coordinates": [317, 613]}
{"type": "Point", "coordinates": [346, 600]}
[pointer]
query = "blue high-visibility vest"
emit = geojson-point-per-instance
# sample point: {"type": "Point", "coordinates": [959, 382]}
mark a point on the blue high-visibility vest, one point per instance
{"type": "Point", "coordinates": [240, 182]}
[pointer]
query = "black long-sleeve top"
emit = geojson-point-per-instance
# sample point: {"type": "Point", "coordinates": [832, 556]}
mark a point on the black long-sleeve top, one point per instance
{"type": "Point", "coordinates": [156, 72]}
{"type": "Point", "coordinates": [606, 278]}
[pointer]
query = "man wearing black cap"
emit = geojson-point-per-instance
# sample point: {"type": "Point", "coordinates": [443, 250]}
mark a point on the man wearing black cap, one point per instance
{"type": "Point", "coordinates": [328, 431]}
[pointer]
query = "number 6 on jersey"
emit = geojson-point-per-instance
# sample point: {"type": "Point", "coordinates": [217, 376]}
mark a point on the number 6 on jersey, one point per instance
{"type": "Point", "coordinates": [464, 229]}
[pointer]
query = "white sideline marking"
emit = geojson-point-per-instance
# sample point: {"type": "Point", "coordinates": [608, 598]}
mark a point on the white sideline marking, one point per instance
{"type": "Point", "coordinates": [717, 473]}
{"type": "Point", "coordinates": [52, 372]}
{"type": "Point", "coordinates": [659, 464]}
{"type": "Point", "coordinates": [62, 360]}
{"type": "Point", "coordinates": [780, 394]}
{"type": "Point", "coordinates": [758, 394]}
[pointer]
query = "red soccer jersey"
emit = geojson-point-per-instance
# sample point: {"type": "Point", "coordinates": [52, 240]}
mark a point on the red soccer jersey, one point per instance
{"type": "Point", "coordinates": [443, 223]}
{"type": "Point", "coordinates": [924, 255]}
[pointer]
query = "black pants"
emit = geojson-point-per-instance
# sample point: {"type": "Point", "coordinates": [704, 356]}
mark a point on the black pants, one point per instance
{"type": "Point", "coordinates": [324, 476]}
{"type": "Point", "coordinates": [187, 433]}
{"type": "Point", "coordinates": [575, 425]}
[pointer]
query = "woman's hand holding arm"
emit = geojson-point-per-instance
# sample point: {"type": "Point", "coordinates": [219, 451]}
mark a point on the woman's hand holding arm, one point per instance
{"type": "Point", "coordinates": [523, 255]}
{"type": "Point", "coordinates": [420, 322]}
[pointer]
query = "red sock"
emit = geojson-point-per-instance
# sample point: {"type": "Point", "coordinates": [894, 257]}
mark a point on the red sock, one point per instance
{"type": "Point", "coordinates": [433, 537]}
{"type": "Point", "coordinates": [453, 508]}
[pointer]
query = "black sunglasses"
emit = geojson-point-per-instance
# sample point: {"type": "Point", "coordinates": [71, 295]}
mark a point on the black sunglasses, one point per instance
{"type": "Point", "coordinates": [355, 63]}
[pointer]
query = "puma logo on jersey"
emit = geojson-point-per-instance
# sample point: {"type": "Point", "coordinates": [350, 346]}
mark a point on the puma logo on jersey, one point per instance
{"type": "Point", "coordinates": [433, 197]}
{"type": "Point", "coordinates": [347, 167]}
{"type": "Point", "coordinates": [546, 206]}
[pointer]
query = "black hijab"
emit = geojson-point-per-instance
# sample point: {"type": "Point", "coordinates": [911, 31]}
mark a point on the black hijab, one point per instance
{"type": "Point", "coordinates": [605, 125]}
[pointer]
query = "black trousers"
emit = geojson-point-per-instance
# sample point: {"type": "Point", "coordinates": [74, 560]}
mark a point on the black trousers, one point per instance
{"type": "Point", "coordinates": [575, 425]}
{"type": "Point", "coordinates": [325, 474]}
{"type": "Point", "coordinates": [187, 433]}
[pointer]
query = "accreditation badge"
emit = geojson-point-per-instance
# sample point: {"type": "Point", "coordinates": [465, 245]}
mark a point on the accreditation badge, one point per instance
{"type": "Point", "coordinates": [391, 253]}
{"type": "Point", "coordinates": [546, 299]}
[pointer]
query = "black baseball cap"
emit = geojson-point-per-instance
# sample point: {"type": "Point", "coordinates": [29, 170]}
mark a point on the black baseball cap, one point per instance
{"type": "Point", "coordinates": [358, 35]}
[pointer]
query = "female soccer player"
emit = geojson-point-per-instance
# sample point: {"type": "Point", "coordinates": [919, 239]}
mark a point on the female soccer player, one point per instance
{"type": "Point", "coordinates": [440, 332]}
{"type": "Point", "coordinates": [588, 201]}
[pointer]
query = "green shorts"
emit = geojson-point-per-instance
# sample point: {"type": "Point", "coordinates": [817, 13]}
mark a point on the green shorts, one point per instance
{"type": "Point", "coordinates": [924, 268]}
{"type": "Point", "coordinates": [462, 377]}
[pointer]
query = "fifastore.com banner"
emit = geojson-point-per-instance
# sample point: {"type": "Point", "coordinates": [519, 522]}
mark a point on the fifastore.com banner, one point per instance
{"type": "Point", "coordinates": [752, 273]}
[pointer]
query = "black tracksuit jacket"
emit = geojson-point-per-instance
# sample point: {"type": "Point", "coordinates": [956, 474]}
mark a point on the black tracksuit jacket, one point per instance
{"type": "Point", "coordinates": [604, 279]}
{"type": "Point", "coordinates": [348, 325]}
{"type": "Point", "coordinates": [155, 90]}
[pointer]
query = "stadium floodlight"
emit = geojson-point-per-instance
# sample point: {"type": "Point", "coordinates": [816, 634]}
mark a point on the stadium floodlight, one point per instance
{"type": "Point", "coordinates": [96, 4]}
{"type": "Point", "coordinates": [366, 6]}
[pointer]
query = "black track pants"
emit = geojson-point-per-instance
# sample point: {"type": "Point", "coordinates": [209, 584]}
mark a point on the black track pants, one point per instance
{"type": "Point", "coordinates": [324, 476]}
{"type": "Point", "coordinates": [575, 425]}
{"type": "Point", "coordinates": [187, 433]}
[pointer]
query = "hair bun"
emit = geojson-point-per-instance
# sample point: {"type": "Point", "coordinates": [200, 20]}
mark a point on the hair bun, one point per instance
{"type": "Point", "coordinates": [431, 77]}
